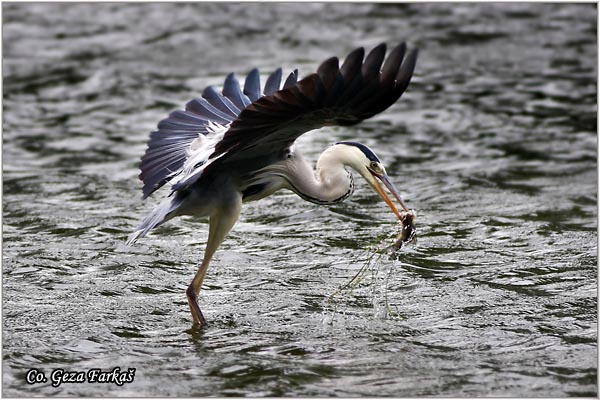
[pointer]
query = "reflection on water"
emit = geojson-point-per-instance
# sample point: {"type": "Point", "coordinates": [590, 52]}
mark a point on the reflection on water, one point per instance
{"type": "Point", "coordinates": [494, 144]}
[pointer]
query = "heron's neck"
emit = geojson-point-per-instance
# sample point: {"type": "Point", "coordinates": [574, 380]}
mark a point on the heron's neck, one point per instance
{"type": "Point", "coordinates": [330, 183]}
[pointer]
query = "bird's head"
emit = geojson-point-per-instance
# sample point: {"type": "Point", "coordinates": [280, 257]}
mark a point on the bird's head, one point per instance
{"type": "Point", "coordinates": [367, 164]}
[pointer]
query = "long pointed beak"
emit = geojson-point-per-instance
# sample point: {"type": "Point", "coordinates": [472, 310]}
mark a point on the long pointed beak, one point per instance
{"type": "Point", "coordinates": [390, 186]}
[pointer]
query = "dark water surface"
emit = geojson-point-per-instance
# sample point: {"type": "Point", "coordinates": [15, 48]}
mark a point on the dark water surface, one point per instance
{"type": "Point", "coordinates": [494, 145]}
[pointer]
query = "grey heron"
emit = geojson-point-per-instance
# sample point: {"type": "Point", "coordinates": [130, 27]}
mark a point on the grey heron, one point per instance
{"type": "Point", "coordinates": [236, 146]}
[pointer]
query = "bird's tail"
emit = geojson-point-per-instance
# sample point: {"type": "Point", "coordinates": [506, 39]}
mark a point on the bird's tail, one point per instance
{"type": "Point", "coordinates": [162, 213]}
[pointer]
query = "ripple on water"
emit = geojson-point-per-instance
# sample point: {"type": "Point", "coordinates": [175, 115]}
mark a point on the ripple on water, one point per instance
{"type": "Point", "coordinates": [494, 144]}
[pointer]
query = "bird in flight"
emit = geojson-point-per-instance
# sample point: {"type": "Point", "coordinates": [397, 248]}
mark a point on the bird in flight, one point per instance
{"type": "Point", "coordinates": [236, 146]}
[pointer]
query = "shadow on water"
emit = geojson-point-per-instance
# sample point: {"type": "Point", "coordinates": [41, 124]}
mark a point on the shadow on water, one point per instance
{"type": "Point", "coordinates": [494, 145]}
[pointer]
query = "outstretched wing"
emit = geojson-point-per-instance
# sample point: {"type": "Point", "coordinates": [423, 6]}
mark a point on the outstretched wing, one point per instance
{"type": "Point", "coordinates": [332, 96]}
{"type": "Point", "coordinates": [179, 149]}
{"type": "Point", "coordinates": [233, 125]}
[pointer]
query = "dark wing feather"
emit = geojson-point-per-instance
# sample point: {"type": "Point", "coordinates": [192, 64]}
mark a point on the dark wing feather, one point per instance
{"type": "Point", "coordinates": [391, 65]}
{"type": "Point", "coordinates": [291, 79]}
{"type": "Point", "coordinates": [332, 96]}
{"type": "Point", "coordinates": [372, 66]}
{"type": "Point", "coordinates": [352, 64]}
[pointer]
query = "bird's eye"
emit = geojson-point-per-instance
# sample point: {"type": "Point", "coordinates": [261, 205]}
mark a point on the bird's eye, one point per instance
{"type": "Point", "coordinates": [375, 166]}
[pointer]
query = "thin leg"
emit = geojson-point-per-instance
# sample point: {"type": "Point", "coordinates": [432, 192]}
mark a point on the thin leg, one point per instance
{"type": "Point", "coordinates": [220, 225]}
{"type": "Point", "coordinates": [192, 298]}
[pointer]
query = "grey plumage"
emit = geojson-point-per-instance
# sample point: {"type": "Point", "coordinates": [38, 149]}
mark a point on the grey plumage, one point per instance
{"type": "Point", "coordinates": [273, 82]}
{"type": "Point", "coordinates": [221, 102]}
{"type": "Point", "coordinates": [206, 110]}
{"type": "Point", "coordinates": [231, 90]}
{"type": "Point", "coordinates": [162, 213]}
{"type": "Point", "coordinates": [236, 146]}
{"type": "Point", "coordinates": [252, 85]}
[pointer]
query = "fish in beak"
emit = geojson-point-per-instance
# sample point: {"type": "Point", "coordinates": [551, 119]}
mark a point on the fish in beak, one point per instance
{"type": "Point", "coordinates": [407, 232]}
